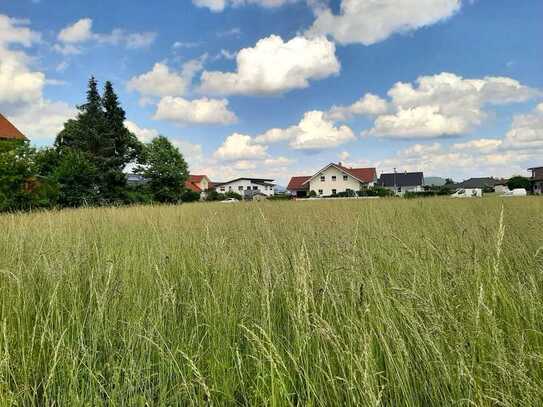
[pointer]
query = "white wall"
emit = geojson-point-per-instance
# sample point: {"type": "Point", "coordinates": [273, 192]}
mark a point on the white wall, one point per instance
{"type": "Point", "coordinates": [403, 190]}
{"type": "Point", "coordinates": [328, 185]}
{"type": "Point", "coordinates": [244, 183]}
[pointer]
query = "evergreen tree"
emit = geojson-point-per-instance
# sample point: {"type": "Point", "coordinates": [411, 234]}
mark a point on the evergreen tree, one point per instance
{"type": "Point", "coordinates": [125, 144]}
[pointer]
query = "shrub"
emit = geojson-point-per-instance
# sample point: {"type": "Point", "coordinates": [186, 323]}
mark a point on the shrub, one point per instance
{"type": "Point", "coordinates": [190, 196]}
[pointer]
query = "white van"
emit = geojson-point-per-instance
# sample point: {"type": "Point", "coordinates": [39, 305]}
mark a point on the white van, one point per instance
{"type": "Point", "coordinates": [468, 193]}
{"type": "Point", "coordinates": [516, 192]}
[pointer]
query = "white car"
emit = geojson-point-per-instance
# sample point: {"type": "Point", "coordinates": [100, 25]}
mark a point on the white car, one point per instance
{"type": "Point", "coordinates": [516, 192]}
{"type": "Point", "coordinates": [468, 193]}
{"type": "Point", "coordinates": [230, 200]}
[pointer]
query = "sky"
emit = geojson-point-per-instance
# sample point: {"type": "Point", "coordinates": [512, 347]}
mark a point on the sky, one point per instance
{"type": "Point", "coordinates": [277, 88]}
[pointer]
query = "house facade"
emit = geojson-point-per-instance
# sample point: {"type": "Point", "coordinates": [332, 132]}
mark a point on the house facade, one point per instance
{"type": "Point", "coordinates": [402, 182]}
{"type": "Point", "coordinates": [332, 180]}
{"type": "Point", "coordinates": [199, 184]}
{"type": "Point", "coordinates": [8, 132]}
{"type": "Point", "coordinates": [247, 187]}
{"type": "Point", "coordinates": [537, 180]}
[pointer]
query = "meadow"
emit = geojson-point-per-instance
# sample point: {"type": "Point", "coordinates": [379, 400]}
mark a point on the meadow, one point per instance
{"type": "Point", "coordinates": [357, 302]}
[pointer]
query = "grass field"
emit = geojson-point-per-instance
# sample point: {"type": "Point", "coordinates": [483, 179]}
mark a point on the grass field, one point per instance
{"type": "Point", "coordinates": [387, 302]}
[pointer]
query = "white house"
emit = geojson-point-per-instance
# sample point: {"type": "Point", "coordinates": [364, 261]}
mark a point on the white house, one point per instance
{"type": "Point", "coordinates": [247, 186]}
{"type": "Point", "coordinates": [333, 179]}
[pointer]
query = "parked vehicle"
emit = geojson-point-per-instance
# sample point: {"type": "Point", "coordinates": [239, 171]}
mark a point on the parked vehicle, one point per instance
{"type": "Point", "coordinates": [515, 192]}
{"type": "Point", "coordinates": [468, 193]}
{"type": "Point", "coordinates": [230, 200]}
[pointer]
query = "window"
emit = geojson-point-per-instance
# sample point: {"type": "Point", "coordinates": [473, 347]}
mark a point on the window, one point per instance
{"type": "Point", "coordinates": [334, 191]}
{"type": "Point", "coordinates": [222, 189]}
{"type": "Point", "coordinates": [230, 188]}
{"type": "Point", "coordinates": [320, 191]}
{"type": "Point", "coordinates": [323, 178]}
{"type": "Point", "coordinates": [248, 187]}
{"type": "Point", "coordinates": [345, 178]}
{"type": "Point", "coordinates": [240, 188]}
{"type": "Point", "coordinates": [333, 177]}
{"type": "Point", "coordinates": [255, 188]}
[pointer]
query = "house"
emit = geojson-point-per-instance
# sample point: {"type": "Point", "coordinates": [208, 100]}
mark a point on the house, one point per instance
{"type": "Point", "coordinates": [297, 186]}
{"type": "Point", "coordinates": [402, 182]}
{"type": "Point", "coordinates": [199, 183]}
{"type": "Point", "coordinates": [247, 187]}
{"type": "Point", "coordinates": [135, 179]}
{"type": "Point", "coordinates": [537, 180]}
{"type": "Point", "coordinates": [333, 179]}
{"type": "Point", "coordinates": [484, 183]}
{"type": "Point", "coordinates": [9, 132]}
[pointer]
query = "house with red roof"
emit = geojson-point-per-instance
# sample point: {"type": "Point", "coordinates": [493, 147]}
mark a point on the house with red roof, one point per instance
{"type": "Point", "coordinates": [332, 180]}
{"type": "Point", "coordinates": [199, 183]}
{"type": "Point", "coordinates": [9, 132]}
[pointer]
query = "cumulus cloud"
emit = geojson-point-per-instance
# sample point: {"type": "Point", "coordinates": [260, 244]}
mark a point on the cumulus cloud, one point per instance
{"type": "Point", "coordinates": [198, 111]}
{"type": "Point", "coordinates": [238, 147]}
{"type": "Point", "coordinates": [445, 105]}
{"type": "Point", "coordinates": [143, 134]}
{"type": "Point", "coordinates": [21, 87]}
{"type": "Point", "coordinates": [314, 132]}
{"type": "Point", "coordinates": [527, 132]}
{"type": "Point", "coordinates": [273, 66]}
{"type": "Point", "coordinates": [368, 22]}
{"type": "Point", "coordinates": [160, 81]}
{"type": "Point", "coordinates": [220, 5]}
{"type": "Point", "coordinates": [81, 32]}
{"type": "Point", "coordinates": [368, 105]}
{"type": "Point", "coordinates": [512, 154]}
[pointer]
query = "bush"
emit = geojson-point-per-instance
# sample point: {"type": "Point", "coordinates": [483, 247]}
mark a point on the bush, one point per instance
{"type": "Point", "coordinates": [519, 182]}
{"type": "Point", "coordinates": [190, 196]}
{"type": "Point", "coordinates": [423, 194]}
{"type": "Point", "coordinates": [376, 191]}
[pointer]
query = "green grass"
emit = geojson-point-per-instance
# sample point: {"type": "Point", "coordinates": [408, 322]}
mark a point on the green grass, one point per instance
{"type": "Point", "coordinates": [358, 302]}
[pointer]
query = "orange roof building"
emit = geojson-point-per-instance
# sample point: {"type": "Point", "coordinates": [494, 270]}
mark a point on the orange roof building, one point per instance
{"type": "Point", "coordinates": [9, 132]}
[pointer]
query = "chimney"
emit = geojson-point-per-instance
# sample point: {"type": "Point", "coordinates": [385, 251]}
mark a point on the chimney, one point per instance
{"type": "Point", "coordinates": [339, 163]}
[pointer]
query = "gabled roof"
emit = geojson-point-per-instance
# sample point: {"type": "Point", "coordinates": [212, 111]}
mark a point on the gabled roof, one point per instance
{"type": "Point", "coordinates": [8, 131]}
{"type": "Point", "coordinates": [364, 175]}
{"type": "Point", "coordinates": [297, 183]}
{"type": "Point", "coordinates": [253, 180]}
{"type": "Point", "coordinates": [402, 179]}
{"type": "Point", "coordinates": [192, 186]}
{"type": "Point", "coordinates": [197, 178]}
{"type": "Point", "coordinates": [480, 182]}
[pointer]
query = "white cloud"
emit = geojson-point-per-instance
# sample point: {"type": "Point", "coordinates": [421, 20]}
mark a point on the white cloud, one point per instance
{"type": "Point", "coordinates": [160, 81]}
{"type": "Point", "coordinates": [368, 105]}
{"type": "Point", "coordinates": [445, 105]}
{"type": "Point", "coordinates": [81, 32]}
{"type": "Point", "coordinates": [314, 132]}
{"type": "Point", "coordinates": [238, 147]}
{"type": "Point", "coordinates": [15, 31]}
{"type": "Point", "coordinates": [198, 111]}
{"type": "Point", "coordinates": [43, 119]}
{"type": "Point", "coordinates": [273, 66]}
{"type": "Point", "coordinates": [369, 21]}
{"type": "Point", "coordinates": [143, 134]}
{"type": "Point", "coordinates": [220, 5]}
{"type": "Point", "coordinates": [527, 132]}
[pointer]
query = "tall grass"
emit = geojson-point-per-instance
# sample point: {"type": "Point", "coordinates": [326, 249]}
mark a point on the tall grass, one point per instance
{"type": "Point", "coordinates": [389, 302]}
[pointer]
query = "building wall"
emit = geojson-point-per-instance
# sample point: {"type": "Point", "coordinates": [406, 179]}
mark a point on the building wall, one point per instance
{"type": "Point", "coordinates": [204, 184]}
{"type": "Point", "coordinates": [326, 187]}
{"type": "Point", "coordinates": [243, 184]}
{"type": "Point", "coordinates": [403, 190]}
{"type": "Point", "coordinates": [538, 187]}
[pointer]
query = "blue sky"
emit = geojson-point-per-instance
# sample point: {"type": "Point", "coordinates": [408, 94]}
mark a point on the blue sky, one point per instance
{"type": "Point", "coordinates": [282, 87]}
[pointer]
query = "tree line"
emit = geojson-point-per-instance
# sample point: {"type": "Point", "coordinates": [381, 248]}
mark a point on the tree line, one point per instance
{"type": "Point", "coordinates": [88, 161]}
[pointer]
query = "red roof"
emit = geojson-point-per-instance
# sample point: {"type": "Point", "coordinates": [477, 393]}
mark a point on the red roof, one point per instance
{"type": "Point", "coordinates": [197, 178]}
{"type": "Point", "coordinates": [192, 186]}
{"type": "Point", "coordinates": [297, 183]}
{"type": "Point", "coordinates": [8, 131]}
{"type": "Point", "coordinates": [363, 174]}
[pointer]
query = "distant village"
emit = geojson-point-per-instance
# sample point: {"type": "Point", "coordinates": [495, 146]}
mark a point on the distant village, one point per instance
{"type": "Point", "coordinates": [335, 180]}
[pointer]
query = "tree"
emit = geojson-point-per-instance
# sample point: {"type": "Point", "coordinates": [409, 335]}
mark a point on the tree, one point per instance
{"type": "Point", "coordinates": [76, 176]}
{"type": "Point", "coordinates": [126, 146]}
{"type": "Point", "coordinates": [99, 132]}
{"type": "Point", "coordinates": [519, 182]}
{"type": "Point", "coordinates": [164, 168]}
{"type": "Point", "coordinates": [20, 185]}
